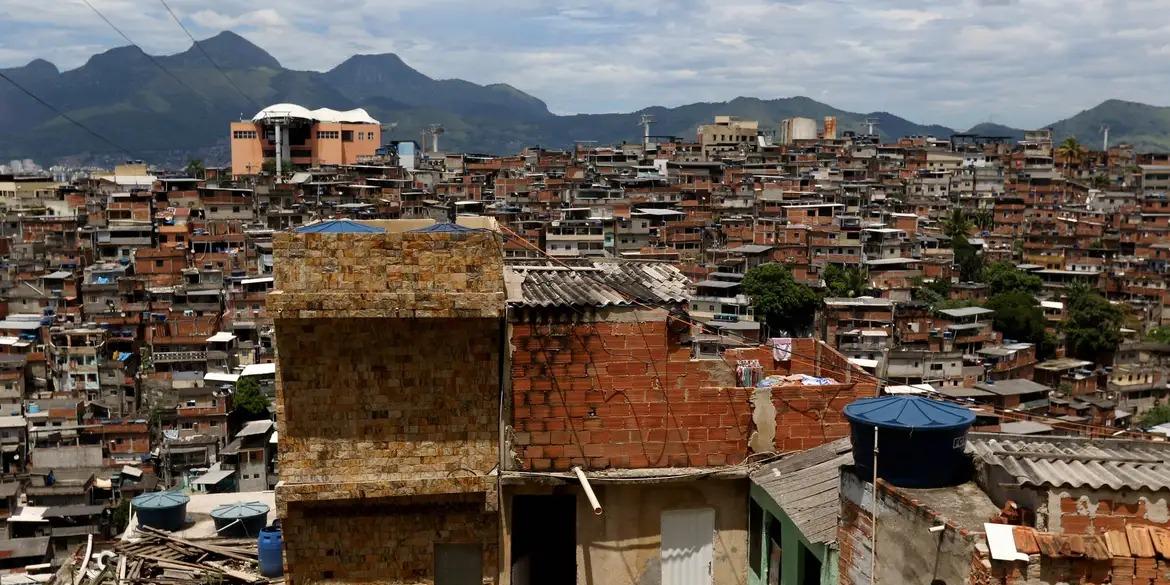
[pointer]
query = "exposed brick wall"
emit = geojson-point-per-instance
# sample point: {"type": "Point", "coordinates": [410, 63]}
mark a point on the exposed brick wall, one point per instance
{"type": "Point", "coordinates": [384, 399]}
{"type": "Point", "coordinates": [1086, 514]}
{"type": "Point", "coordinates": [391, 541]}
{"type": "Point", "coordinates": [387, 402]}
{"type": "Point", "coordinates": [626, 394]}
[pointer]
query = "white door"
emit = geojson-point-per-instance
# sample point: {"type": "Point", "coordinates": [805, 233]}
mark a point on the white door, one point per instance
{"type": "Point", "coordinates": [687, 544]}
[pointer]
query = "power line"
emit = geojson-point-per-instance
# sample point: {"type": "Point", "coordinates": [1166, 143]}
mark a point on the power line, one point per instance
{"type": "Point", "coordinates": [175, 17]}
{"type": "Point", "coordinates": [75, 122]}
{"type": "Point", "coordinates": [148, 55]}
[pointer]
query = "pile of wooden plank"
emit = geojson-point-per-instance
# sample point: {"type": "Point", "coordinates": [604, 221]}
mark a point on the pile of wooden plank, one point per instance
{"type": "Point", "coordinates": [159, 557]}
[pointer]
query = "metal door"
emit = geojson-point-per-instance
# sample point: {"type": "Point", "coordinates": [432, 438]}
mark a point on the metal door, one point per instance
{"type": "Point", "coordinates": [687, 545]}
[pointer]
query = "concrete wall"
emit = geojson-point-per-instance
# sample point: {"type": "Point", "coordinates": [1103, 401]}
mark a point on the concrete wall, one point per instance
{"type": "Point", "coordinates": [622, 546]}
{"type": "Point", "coordinates": [67, 457]}
{"type": "Point", "coordinates": [907, 552]}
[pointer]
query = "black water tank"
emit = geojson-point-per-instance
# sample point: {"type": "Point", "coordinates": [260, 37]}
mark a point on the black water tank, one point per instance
{"type": "Point", "coordinates": [921, 441]}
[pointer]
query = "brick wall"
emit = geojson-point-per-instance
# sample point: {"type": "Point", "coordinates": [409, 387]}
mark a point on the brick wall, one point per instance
{"type": "Point", "coordinates": [387, 399]}
{"type": "Point", "coordinates": [622, 393]}
{"type": "Point", "coordinates": [388, 402]}
{"type": "Point", "coordinates": [388, 541]}
{"type": "Point", "coordinates": [1099, 513]}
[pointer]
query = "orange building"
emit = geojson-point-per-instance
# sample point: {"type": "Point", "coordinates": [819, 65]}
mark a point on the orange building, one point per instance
{"type": "Point", "coordinates": [303, 137]}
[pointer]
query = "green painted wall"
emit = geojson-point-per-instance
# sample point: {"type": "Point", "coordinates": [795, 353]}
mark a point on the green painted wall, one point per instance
{"type": "Point", "coordinates": [792, 565]}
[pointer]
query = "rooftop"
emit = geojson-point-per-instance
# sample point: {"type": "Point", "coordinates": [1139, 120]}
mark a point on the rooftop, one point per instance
{"type": "Point", "coordinates": [1118, 464]}
{"type": "Point", "coordinates": [596, 284]}
{"type": "Point", "coordinates": [807, 486]}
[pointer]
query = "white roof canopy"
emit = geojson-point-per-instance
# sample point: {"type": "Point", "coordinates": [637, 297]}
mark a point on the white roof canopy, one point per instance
{"type": "Point", "coordinates": [354, 116]}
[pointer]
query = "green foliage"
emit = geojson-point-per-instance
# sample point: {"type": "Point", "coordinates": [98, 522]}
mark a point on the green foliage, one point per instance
{"type": "Point", "coordinates": [249, 400]}
{"type": "Point", "coordinates": [195, 168]}
{"type": "Point", "coordinates": [845, 282]}
{"type": "Point", "coordinates": [968, 258]}
{"type": "Point", "coordinates": [121, 516]}
{"type": "Point", "coordinates": [1018, 316]}
{"type": "Point", "coordinates": [957, 225]}
{"type": "Point", "coordinates": [1159, 334]}
{"type": "Point", "coordinates": [1155, 416]}
{"type": "Point", "coordinates": [1002, 277]}
{"type": "Point", "coordinates": [1092, 327]}
{"type": "Point", "coordinates": [933, 293]}
{"type": "Point", "coordinates": [785, 304]}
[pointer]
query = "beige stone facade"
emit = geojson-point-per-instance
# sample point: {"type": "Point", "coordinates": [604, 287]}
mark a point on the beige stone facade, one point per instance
{"type": "Point", "coordinates": [388, 390]}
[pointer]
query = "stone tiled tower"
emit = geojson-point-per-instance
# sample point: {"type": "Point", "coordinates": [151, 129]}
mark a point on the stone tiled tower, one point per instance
{"type": "Point", "coordinates": [388, 391]}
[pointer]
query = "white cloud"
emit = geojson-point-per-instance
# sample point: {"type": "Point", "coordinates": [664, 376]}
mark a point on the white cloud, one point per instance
{"type": "Point", "coordinates": [956, 62]}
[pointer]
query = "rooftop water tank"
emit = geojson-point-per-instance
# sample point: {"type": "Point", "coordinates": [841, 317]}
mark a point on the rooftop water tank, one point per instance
{"type": "Point", "coordinates": [161, 510]}
{"type": "Point", "coordinates": [920, 441]}
{"type": "Point", "coordinates": [241, 519]}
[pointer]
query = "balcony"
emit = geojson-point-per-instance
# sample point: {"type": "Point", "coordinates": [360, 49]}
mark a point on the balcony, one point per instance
{"type": "Point", "coordinates": [170, 357]}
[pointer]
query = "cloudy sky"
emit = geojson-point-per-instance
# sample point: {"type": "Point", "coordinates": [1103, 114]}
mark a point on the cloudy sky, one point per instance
{"type": "Point", "coordinates": [955, 62]}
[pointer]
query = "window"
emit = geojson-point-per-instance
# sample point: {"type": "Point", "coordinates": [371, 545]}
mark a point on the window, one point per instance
{"type": "Point", "coordinates": [370, 135]}
{"type": "Point", "coordinates": [755, 536]}
{"type": "Point", "coordinates": [188, 426]}
{"type": "Point", "coordinates": [347, 135]}
{"type": "Point", "coordinates": [243, 134]}
{"type": "Point", "coordinates": [158, 263]}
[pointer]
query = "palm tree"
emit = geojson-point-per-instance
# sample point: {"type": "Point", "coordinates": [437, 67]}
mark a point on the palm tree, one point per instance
{"type": "Point", "coordinates": [195, 168]}
{"type": "Point", "coordinates": [1072, 152]}
{"type": "Point", "coordinates": [958, 223]}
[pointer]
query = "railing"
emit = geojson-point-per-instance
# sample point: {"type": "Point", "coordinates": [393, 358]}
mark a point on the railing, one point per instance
{"type": "Point", "coordinates": [164, 357]}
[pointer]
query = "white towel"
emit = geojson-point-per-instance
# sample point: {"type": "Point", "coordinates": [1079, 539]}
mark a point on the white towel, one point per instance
{"type": "Point", "coordinates": [781, 348]}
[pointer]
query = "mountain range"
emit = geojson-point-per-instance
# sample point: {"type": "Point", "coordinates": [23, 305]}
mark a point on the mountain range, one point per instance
{"type": "Point", "coordinates": [168, 116]}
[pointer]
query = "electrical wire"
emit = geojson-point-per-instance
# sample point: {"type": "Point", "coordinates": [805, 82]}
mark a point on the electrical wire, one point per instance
{"type": "Point", "coordinates": [156, 62]}
{"type": "Point", "coordinates": [67, 117]}
{"type": "Point", "coordinates": [198, 46]}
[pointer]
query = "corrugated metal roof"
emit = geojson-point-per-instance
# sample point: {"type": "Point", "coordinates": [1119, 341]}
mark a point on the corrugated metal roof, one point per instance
{"type": "Point", "coordinates": [807, 486]}
{"type": "Point", "coordinates": [597, 284]}
{"type": "Point", "coordinates": [1076, 461]}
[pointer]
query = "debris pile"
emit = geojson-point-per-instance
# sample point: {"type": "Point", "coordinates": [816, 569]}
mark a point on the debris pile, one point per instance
{"type": "Point", "coordinates": [159, 557]}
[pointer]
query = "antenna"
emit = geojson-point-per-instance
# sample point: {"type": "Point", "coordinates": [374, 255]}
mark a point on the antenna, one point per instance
{"type": "Point", "coordinates": [1105, 131]}
{"type": "Point", "coordinates": [435, 130]}
{"type": "Point", "coordinates": [647, 120]}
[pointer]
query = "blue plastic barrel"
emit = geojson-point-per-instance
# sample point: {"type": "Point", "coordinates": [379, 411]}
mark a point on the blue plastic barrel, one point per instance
{"type": "Point", "coordinates": [271, 553]}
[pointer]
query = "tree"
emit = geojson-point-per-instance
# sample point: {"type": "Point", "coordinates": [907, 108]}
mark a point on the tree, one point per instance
{"type": "Point", "coordinates": [1072, 152]}
{"type": "Point", "coordinates": [968, 259]}
{"type": "Point", "coordinates": [1159, 334]}
{"type": "Point", "coordinates": [1101, 182]}
{"type": "Point", "coordinates": [195, 168]}
{"type": "Point", "coordinates": [121, 516]}
{"type": "Point", "coordinates": [933, 292]}
{"type": "Point", "coordinates": [845, 282]}
{"type": "Point", "coordinates": [785, 304]}
{"type": "Point", "coordinates": [957, 225]}
{"type": "Point", "coordinates": [1155, 416]}
{"type": "Point", "coordinates": [1018, 316]}
{"type": "Point", "coordinates": [249, 401]}
{"type": "Point", "coordinates": [1092, 326]}
{"type": "Point", "coordinates": [1002, 277]}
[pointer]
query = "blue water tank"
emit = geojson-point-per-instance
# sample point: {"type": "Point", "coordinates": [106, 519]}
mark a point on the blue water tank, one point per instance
{"type": "Point", "coordinates": [921, 442]}
{"type": "Point", "coordinates": [271, 553]}
{"type": "Point", "coordinates": [161, 510]}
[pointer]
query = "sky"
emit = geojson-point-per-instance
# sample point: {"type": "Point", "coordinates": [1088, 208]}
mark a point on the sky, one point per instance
{"type": "Point", "coordinates": [1024, 63]}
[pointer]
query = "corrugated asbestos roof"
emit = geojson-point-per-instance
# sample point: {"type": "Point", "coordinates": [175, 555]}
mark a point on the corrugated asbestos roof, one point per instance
{"type": "Point", "coordinates": [807, 486]}
{"type": "Point", "coordinates": [1076, 461]}
{"type": "Point", "coordinates": [600, 283]}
